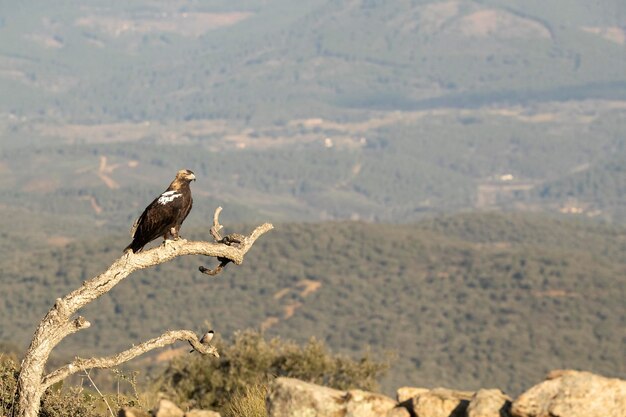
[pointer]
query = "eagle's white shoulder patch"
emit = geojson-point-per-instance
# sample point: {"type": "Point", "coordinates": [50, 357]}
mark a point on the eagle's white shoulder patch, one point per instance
{"type": "Point", "coordinates": [168, 197]}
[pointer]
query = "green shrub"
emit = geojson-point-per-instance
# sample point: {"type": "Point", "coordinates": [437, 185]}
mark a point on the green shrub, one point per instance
{"type": "Point", "coordinates": [8, 381]}
{"type": "Point", "coordinates": [55, 403]}
{"type": "Point", "coordinates": [74, 401]}
{"type": "Point", "coordinates": [60, 400]}
{"type": "Point", "coordinates": [251, 361]}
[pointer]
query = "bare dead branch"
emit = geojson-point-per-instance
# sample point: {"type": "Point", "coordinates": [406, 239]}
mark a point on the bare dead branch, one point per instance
{"type": "Point", "coordinates": [59, 322]}
{"type": "Point", "coordinates": [167, 338]}
{"type": "Point", "coordinates": [130, 262]}
{"type": "Point", "coordinates": [215, 230]}
{"type": "Point", "coordinates": [233, 239]}
{"type": "Point", "coordinates": [217, 270]}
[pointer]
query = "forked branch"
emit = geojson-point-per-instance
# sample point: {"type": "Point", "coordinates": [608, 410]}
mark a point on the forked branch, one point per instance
{"type": "Point", "coordinates": [233, 240]}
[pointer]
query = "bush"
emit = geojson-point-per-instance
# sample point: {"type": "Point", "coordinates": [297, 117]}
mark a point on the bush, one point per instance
{"type": "Point", "coordinates": [8, 381]}
{"type": "Point", "coordinates": [74, 401]}
{"type": "Point", "coordinates": [58, 401]}
{"type": "Point", "coordinates": [251, 362]}
{"type": "Point", "coordinates": [55, 402]}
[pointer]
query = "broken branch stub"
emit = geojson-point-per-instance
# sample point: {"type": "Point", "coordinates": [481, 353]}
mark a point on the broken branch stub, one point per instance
{"type": "Point", "coordinates": [233, 240]}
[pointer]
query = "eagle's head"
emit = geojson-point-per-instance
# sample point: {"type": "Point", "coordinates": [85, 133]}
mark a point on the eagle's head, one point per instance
{"type": "Point", "coordinates": [185, 175]}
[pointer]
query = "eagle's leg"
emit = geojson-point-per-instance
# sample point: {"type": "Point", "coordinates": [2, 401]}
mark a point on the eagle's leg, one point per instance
{"type": "Point", "coordinates": [168, 237]}
{"type": "Point", "coordinates": [174, 232]}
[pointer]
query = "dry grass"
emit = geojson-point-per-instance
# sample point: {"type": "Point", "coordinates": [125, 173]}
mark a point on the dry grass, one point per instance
{"type": "Point", "coordinates": [59, 241]}
{"type": "Point", "coordinates": [269, 322]}
{"type": "Point", "coordinates": [250, 402]}
{"type": "Point", "coordinates": [280, 294]}
{"type": "Point", "coordinates": [291, 308]}
{"type": "Point", "coordinates": [42, 185]}
{"type": "Point", "coordinates": [308, 287]}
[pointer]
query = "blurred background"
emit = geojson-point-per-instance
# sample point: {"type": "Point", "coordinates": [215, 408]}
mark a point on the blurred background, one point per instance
{"type": "Point", "coordinates": [447, 178]}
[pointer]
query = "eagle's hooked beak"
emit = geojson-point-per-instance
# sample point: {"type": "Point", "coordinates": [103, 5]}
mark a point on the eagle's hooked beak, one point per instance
{"type": "Point", "coordinates": [191, 177]}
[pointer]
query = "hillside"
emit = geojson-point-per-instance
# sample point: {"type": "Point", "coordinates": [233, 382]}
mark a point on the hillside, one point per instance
{"type": "Point", "coordinates": [447, 177]}
{"type": "Point", "coordinates": [342, 109]}
{"type": "Point", "coordinates": [465, 301]}
{"type": "Point", "coordinates": [272, 60]}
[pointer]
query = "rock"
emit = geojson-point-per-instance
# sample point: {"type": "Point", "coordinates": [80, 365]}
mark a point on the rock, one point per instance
{"type": "Point", "coordinates": [398, 411]}
{"type": "Point", "coordinates": [132, 412]}
{"type": "Point", "coordinates": [489, 403]}
{"type": "Point", "coordinates": [166, 408]}
{"type": "Point", "coordinates": [406, 393]}
{"type": "Point", "coordinates": [202, 413]}
{"type": "Point", "coordinates": [291, 397]}
{"type": "Point", "coordinates": [294, 398]}
{"type": "Point", "coordinates": [363, 403]}
{"type": "Point", "coordinates": [573, 394]}
{"type": "Point", "coordinates": [440, 402]}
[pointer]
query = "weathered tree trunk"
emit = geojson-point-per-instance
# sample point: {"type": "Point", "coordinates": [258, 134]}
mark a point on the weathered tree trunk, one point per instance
{"type": "Point", "coordinates": [61, 321]}
{"type": "Point", "coordinates": [47, 336]}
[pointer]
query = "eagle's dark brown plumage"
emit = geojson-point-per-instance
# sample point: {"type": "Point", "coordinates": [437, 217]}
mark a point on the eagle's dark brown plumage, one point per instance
{"type": "Point", "coordinates": [165, 214]}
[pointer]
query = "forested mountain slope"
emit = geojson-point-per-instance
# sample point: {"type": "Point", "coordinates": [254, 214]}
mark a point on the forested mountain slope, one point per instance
{"type": "Point", "coordinates": [465, 301]}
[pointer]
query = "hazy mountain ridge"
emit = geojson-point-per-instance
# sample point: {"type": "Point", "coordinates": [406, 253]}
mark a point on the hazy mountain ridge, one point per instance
{"type": "Point", "coordinates": [271, 54]}
{"type": "Point", "coordinates": [338, 109]}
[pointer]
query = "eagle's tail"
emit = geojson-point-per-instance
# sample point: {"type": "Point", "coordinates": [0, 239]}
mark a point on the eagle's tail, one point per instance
{"type": "Point", "coordinates": [135, 246]}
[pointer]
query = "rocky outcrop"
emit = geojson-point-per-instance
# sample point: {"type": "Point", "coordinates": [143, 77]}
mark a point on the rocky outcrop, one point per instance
{"type": "Point", "coordinates": [406, 393]}
{"type": "Point", "coordinates": [294, 398]}
{"type": "Point", "coordinates": [563, 394]}
{"type": "Point", "coordinates": [398, 411]}
{"type": "Point", "coordinates": [166, 408]}
{"type": "Point", "coordinates": [440, 402]}
{"type": "Point", "coordinates": [489, 403]}
{"type": "Point", "coordinates": [573, 394]}
{"type": "Point", "coordinates": [202, 413]}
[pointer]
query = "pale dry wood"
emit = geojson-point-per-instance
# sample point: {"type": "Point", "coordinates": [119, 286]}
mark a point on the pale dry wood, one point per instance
{"type": "Point", "coordinates": [167, 338]}
{"type": "Point", "coordinates": [60, 323]}
{"type": "Point", "coordinates": [215, 230]}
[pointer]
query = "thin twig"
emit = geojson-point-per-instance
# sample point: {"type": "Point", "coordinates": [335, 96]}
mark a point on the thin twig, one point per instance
{"type": "Point", "coordinates": [93, 384]}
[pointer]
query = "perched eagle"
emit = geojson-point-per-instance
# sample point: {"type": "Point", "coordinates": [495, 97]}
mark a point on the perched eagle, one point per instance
{"type": "Point", "coordinates": [165, 214]}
